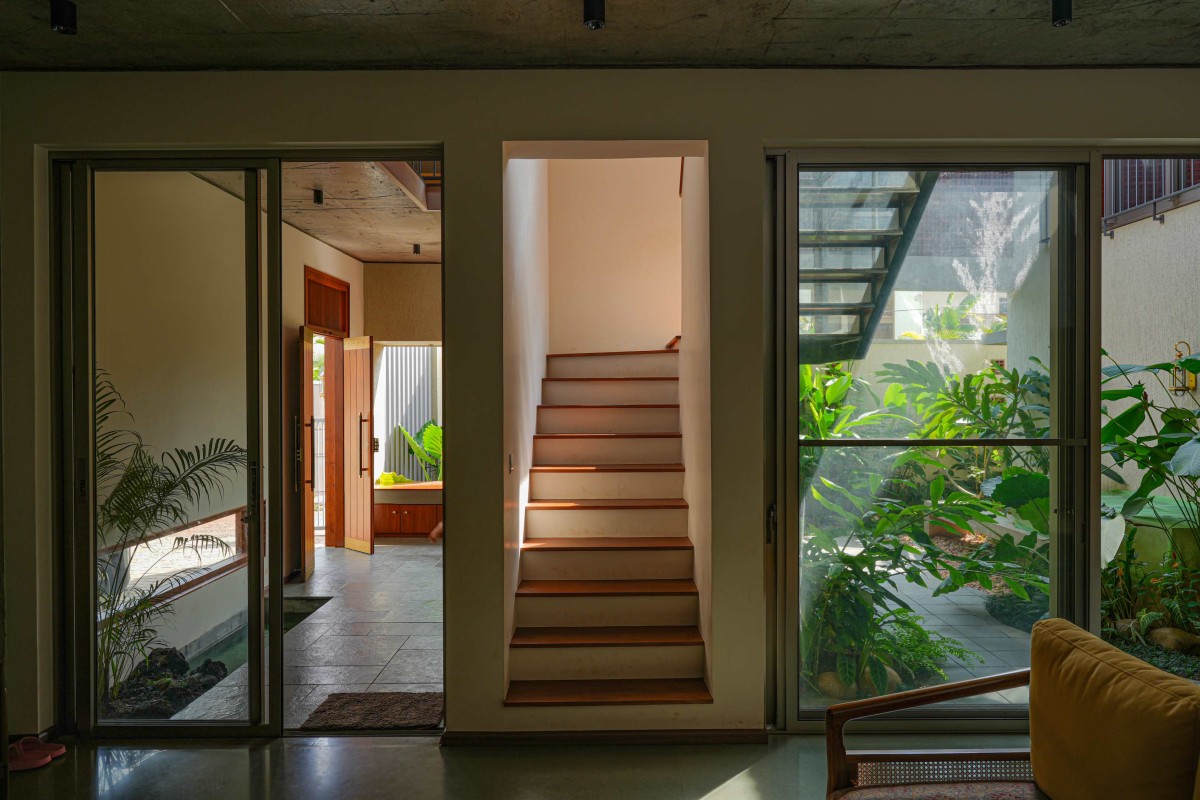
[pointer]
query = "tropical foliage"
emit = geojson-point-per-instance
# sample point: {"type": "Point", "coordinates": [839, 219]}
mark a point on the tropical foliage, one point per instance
{"type": "Point", "coordinates": [426, 445]}
{"type": "Point", "coordinates": [869, 511]}
{"type": "Point", "coordinates": [140, 494]}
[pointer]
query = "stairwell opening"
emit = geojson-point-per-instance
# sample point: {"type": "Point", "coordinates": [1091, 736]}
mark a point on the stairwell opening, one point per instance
{"type": "Point", "coordinates": [607, 528]}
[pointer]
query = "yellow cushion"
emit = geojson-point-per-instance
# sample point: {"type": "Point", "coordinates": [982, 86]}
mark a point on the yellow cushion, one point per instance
{"type": "Point", "coordinates": [1104, 724]}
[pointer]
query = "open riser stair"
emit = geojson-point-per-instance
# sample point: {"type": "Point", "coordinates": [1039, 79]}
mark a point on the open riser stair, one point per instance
{"type": "Point", "coordinates": [607, 611]}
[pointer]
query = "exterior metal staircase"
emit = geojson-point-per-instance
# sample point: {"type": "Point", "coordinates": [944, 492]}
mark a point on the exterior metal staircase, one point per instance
{"type": "Point", "coordinates": [855, 229]}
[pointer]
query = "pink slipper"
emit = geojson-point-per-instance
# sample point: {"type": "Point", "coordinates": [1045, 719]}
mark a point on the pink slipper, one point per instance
{"type": "Point", "coordinates": [19, 759]}
{"type": "Point", "coordinates": [32, 744]}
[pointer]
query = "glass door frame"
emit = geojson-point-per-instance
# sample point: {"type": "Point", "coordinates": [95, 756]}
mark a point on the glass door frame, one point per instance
{"type": "Point", "coordinates": [1076, 343]}
{"type": "Point", "coordinates": [73, 181]}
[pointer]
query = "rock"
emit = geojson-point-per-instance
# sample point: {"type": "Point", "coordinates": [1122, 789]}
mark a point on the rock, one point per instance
{"type": "Point", "coordinates": [162, 660]}
{"type": "Point", "coordinates": [1174, 639]}
{"type": "Point", "coordinates": [1125, 627]}
{"type": "Point", "coordinates": [831, 685]}
{"type": "Point", "coordinates": [868, 685]}
{"type": "Point", "coordinates": [215, 669]}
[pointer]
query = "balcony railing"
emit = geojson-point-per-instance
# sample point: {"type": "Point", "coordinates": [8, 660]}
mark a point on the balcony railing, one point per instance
{"type": "Point", "coordinates": [1139, 188]}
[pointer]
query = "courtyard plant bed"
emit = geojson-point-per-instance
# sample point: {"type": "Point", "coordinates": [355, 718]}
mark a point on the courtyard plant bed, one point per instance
{"type": "Point", "coordinates": [161, 686]}
{"type": "Point", "coordinates": [1185, 665]}
{"type": "Point", "coordinates": [939, 517]}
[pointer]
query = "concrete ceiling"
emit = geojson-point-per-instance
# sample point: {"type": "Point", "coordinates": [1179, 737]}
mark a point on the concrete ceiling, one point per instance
{"type": "Point", "coordinates": [366, 213]}
{"type": "Point", "coordinates": [337, 34]}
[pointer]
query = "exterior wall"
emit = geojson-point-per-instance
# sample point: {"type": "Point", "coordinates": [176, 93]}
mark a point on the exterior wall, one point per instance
{"type": "Point", "coordinates": [1150, 285]}
{"type": "Point", "coordinates": [738, 112]}
{"type": "Point", "coordinates": [526, 342]}
{"type": "Point", "coordinates": [695, 375]}
{"type": "Point", "coordinates": [614, 254]}
{"type": "Point", "coordinates": [403, 302]}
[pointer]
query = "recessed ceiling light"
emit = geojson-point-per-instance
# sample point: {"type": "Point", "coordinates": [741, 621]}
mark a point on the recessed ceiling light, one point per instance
{"type": "Point", "coordinates": [318, 197]}
{"type": "Point", "coordinates": [62, 16]}
{"type": "Point", "coordinates": [593, 14]}
{"type": "Point", "coordinates": [1060, 13]}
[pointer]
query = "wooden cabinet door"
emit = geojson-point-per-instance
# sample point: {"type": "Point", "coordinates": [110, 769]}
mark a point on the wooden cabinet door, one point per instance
{"type": "Point", "coordinates": [381, 517]}
{"type": "Point", "coordinates": [418, 519]}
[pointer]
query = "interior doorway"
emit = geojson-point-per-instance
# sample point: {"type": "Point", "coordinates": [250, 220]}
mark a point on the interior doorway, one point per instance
{"type": "Point", "coordinates": [363, 644]}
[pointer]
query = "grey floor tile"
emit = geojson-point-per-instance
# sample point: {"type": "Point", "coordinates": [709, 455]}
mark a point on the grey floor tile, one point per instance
{"type": "Point", "coordinates": [422, 643]}
{"type": "Point", "coordinates": [413, 666]}
{"type": "Point", "coordinates": [405, 687]}
{"type": "Point", "coordinates": [330, 675]}
{"type": "Point", "coordinates": [344, 651]}
{"type": "Point", "coordinates": [304, 634]}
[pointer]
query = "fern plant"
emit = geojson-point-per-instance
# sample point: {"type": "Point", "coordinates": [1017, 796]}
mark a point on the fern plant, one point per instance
{"type": "Point", "coordinates": [138, 495]}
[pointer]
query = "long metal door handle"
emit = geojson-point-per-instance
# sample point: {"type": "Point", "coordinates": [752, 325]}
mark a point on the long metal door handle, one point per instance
{"type": "Point", "coordinates": [362, 462]}
{"type": "Point", "coordinates": [312, 453]}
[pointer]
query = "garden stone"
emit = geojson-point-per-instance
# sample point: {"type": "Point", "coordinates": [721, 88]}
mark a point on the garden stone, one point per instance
{"type": "Point", "coordinates": [868, 685]}
{"type": "Point", "coordinates": [1125, 627]}
{"type": "Point", "coordinates": [163, 659]}
{"type": "Point", "coordinates": [831, 685]}
{"type": "Point", "coordinates": [1174, 639]}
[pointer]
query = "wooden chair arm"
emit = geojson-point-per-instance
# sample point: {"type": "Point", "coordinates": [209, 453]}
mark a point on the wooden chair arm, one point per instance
{"type": "Point", "coordinates": [842, 768]}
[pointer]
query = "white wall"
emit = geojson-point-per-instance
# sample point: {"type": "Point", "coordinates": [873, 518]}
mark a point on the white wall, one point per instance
{"type": "Point", "coordinates": [215, 608]}
{"type": "Point", "coordinates": [614, 254]}
{"type": "Point", "coordinates": [526, 342]}
{"type": "Point", "coordinates": [1150, 286]}
{"type": "Point", "coordinates": [170, 311]}
{"type": "Point", "coordinates": [694, 385]}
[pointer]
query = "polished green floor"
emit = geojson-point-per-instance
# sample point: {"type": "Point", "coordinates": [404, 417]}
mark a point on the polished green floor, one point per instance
{"type": "Point", "coordinates": [416, 768]}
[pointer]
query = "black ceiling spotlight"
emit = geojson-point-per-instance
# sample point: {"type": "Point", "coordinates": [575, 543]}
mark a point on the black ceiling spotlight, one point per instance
{"type": "Point", "coordinates": [318, 197]}
{"type": "Point", "coordinates": [1060, 13]}
{"type": "Point", "coordinates": [593, 14]}
{"type": "Point", "coordinates": [416, 249]}
{"type": "Point", "coordinates": [62, 17]}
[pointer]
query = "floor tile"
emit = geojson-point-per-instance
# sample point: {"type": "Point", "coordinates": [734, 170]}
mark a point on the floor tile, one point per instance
{"type": "Point", "coordinates": [335, 651]}
{"type": "Point", "coordinates": [328, 675]}
{"type": "Point", "coordinates": [413, 666]}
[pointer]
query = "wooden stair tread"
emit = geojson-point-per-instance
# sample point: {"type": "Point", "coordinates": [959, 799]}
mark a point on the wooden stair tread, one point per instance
{"type": "Point", "coordinates": [606, 504]}
{"type": "Point", "coordinates": [614, 353]}
{"type": "Point", "coordinates": [608, 692]}
{"type": "Point", "coordinates": [586, 468]}
{"type": "Point", "coordinates": [656, 435]}
{"type": "Point", "coordinates": [678, 586]}
{"type": "Point", "coordinates": [639, 378]}
{"type": "Point", "coordinates": [614, 636]}
{"type": "Point", "coordinates": [569, 543]}
{"type": "Point", "coordinates": [609, 405]}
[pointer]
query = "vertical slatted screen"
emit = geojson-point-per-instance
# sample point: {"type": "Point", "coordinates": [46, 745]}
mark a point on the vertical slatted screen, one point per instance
{"type": "Point", "coordinates": [408, 393]}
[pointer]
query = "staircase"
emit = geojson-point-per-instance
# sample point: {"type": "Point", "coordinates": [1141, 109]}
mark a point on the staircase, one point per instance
{"type": "Point", "coordinates": [606, 610]}
{"type": "Point", "coordinates": [854, 234]}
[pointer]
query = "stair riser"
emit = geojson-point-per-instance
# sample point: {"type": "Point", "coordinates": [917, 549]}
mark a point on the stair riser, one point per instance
{"type": "Point", "coordinates": [605, 663]}
{"type": "Point", "coordinates": [608, 420]}
{"type": "Point", "coordinates": [604, 485]}
{"type": "Point", "coordinates": [606, 522]}
{"type": "Point", "coordinates": [646, 365]}
{"type": "Point", "coordinates": [607, 451]}
{"type": "Point", "coordinates": [569, 392]}
{"type": "Point", "coordinates": [570, 612]}
{"type": "Point", "coordinates": [604, 565]}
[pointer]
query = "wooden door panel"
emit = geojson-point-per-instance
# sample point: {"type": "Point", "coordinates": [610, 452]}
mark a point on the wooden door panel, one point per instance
{"type": "Point", "coordinates": [359, 474]}
{"type": "Point", "coordinates": [335, 440]}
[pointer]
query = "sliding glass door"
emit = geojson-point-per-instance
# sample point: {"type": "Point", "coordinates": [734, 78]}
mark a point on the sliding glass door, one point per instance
{"type": "Point", "coordinates": [931, 438]}
{"type": "Point", "coordinates": [168, 427]}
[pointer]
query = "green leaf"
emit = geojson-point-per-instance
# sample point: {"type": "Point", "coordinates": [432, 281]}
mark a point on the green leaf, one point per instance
{"type": "Point", "coordinates": [1190, 364]}
{"type": "Point", "coordinates": [1136, 391]}
{"type": "Point", "coordinates": [879, 676]}
{"type": "Point", "coordinates": [1186, 461]}
{"type": "Point", "coordinates": [937, 487]}
{"type": "Point", "coordinates": [847, 670]}
{"type": "Point", "coordinates": [1124, 425]}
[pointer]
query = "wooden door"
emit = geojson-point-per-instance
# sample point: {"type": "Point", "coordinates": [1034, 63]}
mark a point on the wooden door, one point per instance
{"type": "Point", "coordinates": [308, 461]}
{"type": "Point", "coordinates": [359, 455]}
{"type": "Point", "coordinates": [335, 445]}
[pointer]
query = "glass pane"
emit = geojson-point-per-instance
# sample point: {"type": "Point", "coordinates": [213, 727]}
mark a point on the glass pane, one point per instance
{"type": "Point", "coordinates": [920, 565]}
{"type": "Point", "coordinates": [171, 438]}
{"type": "Point", "coordinates": [1150, 481]}
{"type": "Point", "coordinates": [950, 336]}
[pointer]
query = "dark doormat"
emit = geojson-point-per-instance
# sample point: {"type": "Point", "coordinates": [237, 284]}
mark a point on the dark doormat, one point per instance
{"type": "Point", "coordinates": [374, 711]}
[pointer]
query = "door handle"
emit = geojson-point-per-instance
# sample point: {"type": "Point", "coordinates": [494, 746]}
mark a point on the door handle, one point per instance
{"type": "Point", "coordinates": [362, 462]}
{"type": "Point", "coordinates": [312, 453]}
